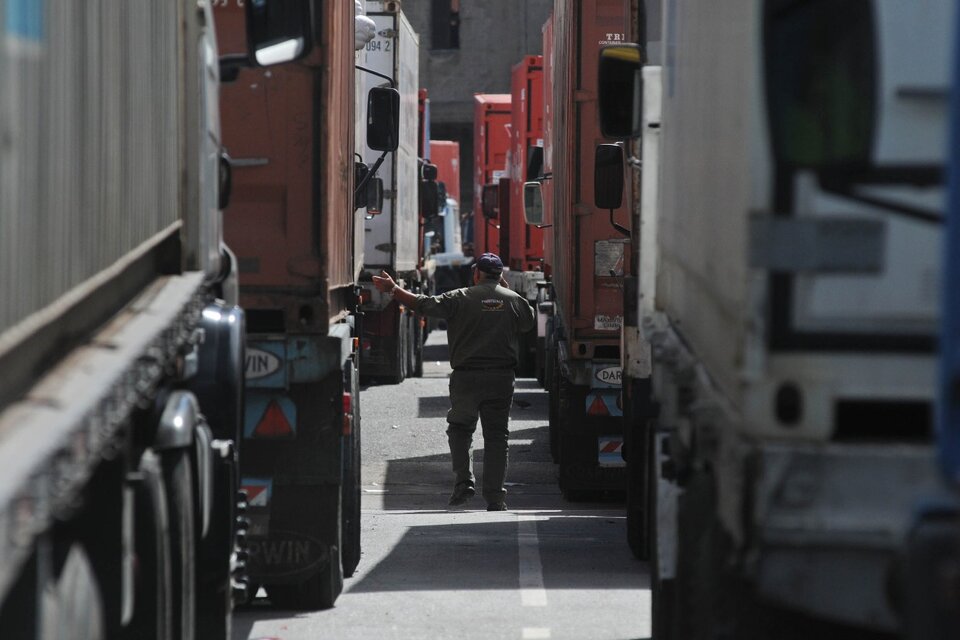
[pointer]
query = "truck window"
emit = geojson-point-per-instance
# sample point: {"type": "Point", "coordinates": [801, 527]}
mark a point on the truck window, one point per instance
{"type": "Point", "coordinates": [820, 60]}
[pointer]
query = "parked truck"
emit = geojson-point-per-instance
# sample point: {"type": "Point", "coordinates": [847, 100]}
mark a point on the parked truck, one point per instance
{"type": "Point", "coordinates": [452, 266]}
{"type": "Point", "coordinates": [491, 142]}
{"type": "Point", "coordinates": [591, 251]}
{"type": "Point", "coordinates": [392, 339]}
{"type": "Point", "coordinates": [293, 222]}
{"type": "Point", "coordinates": [521, 244]}
{"type": "Point", "coordinates": [791, 206]}
{"type": "Point", "coordinates": [121, 343]}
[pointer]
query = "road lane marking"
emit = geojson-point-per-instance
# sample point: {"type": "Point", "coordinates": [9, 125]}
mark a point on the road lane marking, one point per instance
{"type": "Point", "coordinates": [532, 593]}
{"type": "Point", "coordinates": [536, 633]}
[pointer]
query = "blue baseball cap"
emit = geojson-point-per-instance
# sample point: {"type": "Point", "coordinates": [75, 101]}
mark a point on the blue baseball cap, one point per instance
{"type": "Point", "coordinates": [489, 263]}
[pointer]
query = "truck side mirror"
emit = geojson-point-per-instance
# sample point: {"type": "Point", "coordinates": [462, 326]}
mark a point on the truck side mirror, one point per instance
{"type": "Point", "coordinates": [360, 171]}
{"type": "Point", "coordinates": [608, 176]}
{"type": "Point", "coordinates": [429, 199]}
{"type": "Point", "coordinates": [428, 171]}
{"type": "Point", "coordinates": [278, 31]}
{"type": "Point", "coordinates": [374, 196]}
{"type": "Point", "coordinates": [383, 119]}
{"type": "Point", "coordinates": [533, 203]}
{"type": "Point", "coordinates": [489, 201]}
{"type": "Point", "coordinates": [620, 91]}
{"type": "Point", "coordinates": [534, 163]}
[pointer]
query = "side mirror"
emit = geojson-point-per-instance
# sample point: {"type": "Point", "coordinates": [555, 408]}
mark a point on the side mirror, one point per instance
{"type": "Point", "coordinates": [383, 119]}
{"type": "Point", "coordinates": [489, 201]}
{"type": "Point", "coordinates": [374, 196]}
{"type": "Point", "coordinates": [442, 195]}
{"type": "Point", "coordinates": [429, 199]}
{"type": "Point", "coordinates": [534, 163]}
{"type": "Point", "coordinates": [620, 91]}
{"type": "Point", "coordinates": [360, 171]}
{"type": "Point", "coordinates": [533, 203]}
{"type": "Point", "coordinates": [278, 31]}
{"type": "Point", "coordinates": [428, 171]}
{"type": "Point", "coordinates": [608, 176]}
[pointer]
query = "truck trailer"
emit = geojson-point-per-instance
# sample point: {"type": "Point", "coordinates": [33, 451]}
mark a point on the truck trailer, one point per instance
{"type": "Point", "coordinates": [590, 254]}
{"type": "Point", "coordinates": [392, 339]}
{"type": "Point", "coordinates": [491, 142]}
{"type": "Point", "coordinates": [293, 221]}
{"type": "Point", "coordinates": [791, 207]}
{"type": "Point", "coordinates": [521, 244]}
{"type": "Point", "coordinates": [121, 342]}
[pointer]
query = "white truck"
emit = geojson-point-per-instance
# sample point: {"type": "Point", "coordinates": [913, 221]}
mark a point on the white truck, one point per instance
{"type": "Point", "coordinates": [392, 336]}
{"type": "Point", "coordinates": [790, 212]}
{"type": "Point", "coordinates": [121, 344]}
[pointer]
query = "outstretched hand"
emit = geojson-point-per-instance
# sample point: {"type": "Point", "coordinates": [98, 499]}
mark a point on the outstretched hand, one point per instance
{"type": "Point", "coordinates": [383, 282]}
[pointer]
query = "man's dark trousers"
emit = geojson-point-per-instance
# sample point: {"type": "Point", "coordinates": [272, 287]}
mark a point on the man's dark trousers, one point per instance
{"type": "Point", "coordinates": [487, 394]}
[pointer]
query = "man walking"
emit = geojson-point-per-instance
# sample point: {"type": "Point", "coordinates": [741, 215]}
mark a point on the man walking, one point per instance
{"type": "Point", "coordinates": [483, 324]}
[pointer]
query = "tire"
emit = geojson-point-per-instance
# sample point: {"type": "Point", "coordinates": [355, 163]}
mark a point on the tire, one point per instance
{"type": "Point", "coordinates": [400, 373]}
{"type": "Point", "coordinates": [420, 338]}
{"type": "Point", "coordinates": [153, 599]}
{"type": "Point", "coordinates": [75, 610]}
{"type": "Point", "coordinates": [178, 477]}
{"type": "Point", "coordinates": [214, 586]}
{"type": "Point", "coordinates": [553, 412]}
{"type": "Point", "coordinates": [352, 484]}
{"type": "Point", "coordinates": [318, 592]}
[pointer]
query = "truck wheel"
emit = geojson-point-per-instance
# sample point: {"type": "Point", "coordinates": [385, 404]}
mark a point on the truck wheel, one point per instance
{"type": "Point", "coordinates": [153, 600]}
{"type": "Point", "coordinates": [318, 592]}
{"type": "Point", "coordinates": [419, 338]}
{"type": "Point", "coordinates": [214, 587]}
{"type": "Point", "coordinates": [662, 592]}
{"type": "Point", "coordinates": [75, 611]}
{"type": "Point", "coordinates": [178, 477]}
{"type": "Point", "coordinates": [553, 397]}
{"type": "Point", "coordinates": [352, 483]}
{"type": "Point", "coordinates": [400, 372]}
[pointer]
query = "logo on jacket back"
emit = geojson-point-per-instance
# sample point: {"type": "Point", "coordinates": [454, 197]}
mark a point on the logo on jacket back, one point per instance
{"type": "Point", "coordinates": [492, 304]}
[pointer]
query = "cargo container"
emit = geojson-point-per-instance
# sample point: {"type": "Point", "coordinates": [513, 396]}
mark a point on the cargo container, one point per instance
{"type": "Point", "coordinates": [591, 251]}
{"type": "Point", "coordinates": [788, 295]}
{"type": "Point", "coordinates": [121, 344]}
{"type": "Point", "coordinates": [291, 136]}
{"type": "Point", "coordinates": [521, 244]}
{"type": "Point", "coordinates": [491, 142]}
{"type": "Point", "coordinates": [392, 340]}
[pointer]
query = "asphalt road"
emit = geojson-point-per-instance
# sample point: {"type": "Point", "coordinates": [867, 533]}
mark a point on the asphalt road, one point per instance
{"type": "Point", "coordinates": [544, 569]}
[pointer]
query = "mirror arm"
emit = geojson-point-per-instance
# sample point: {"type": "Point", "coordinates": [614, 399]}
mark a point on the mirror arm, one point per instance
{"type": "Point", "coordinates": [370, 174]}
{"type": "Point", "coordinates": [543, 226]}
{"type": "Point", "coordinates": [393, 85]}
{"type": "Point", "coordinates": [635, 163]}
{"type": "Point", "coordinates": [230, 65]}
{"type": "Point", "coordinates": [618, 227]}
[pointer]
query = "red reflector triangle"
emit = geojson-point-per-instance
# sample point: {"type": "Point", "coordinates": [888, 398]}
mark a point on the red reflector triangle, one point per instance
{"type": "Point", "coordinates": [598, 407]}
{"type": "Point", "coordinates": [274, 423]}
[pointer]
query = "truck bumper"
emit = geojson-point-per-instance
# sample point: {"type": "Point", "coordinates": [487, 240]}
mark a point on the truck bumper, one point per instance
{"type": "Point", "coordinates": [831, 522]}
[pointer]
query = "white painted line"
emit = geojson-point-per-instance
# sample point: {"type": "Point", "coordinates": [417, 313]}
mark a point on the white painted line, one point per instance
{"type": "Point", "coordinates": [536, 633]}
{"type": "Point", "coordinates": [532, 593]}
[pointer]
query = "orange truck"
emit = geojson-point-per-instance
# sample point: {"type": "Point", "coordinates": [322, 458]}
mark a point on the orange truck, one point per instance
{"type": "Point", "coordinates": [491, 143]}
{"type": "Point", "coordinates": [290, 132]}
{"type": "Point", "coordinates": [590, 256]}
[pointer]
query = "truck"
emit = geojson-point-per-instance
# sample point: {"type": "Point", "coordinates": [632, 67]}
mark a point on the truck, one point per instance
{"type": "Point", "coordinates": [392, 338]}
{"type": "Point", "coordinates": [590, 258]}
{"type": "Point", "coordinates": [791, 203]}
{"type": "Point", "coordinates": [452, 266]}
{"type": "Point", "coordinates": [521, 244]}
{"type": "Point", "coordinates": [121, 340]}
{"type": "Point", "coordinates": [294, 224]}
{"type": "Point", "coordinates": [491, 142]}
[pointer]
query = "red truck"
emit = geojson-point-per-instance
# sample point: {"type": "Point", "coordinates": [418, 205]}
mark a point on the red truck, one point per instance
{"type": "Point", "coordinates": [491, 142]}
{"type": "Point", "coordinates": [290, 132]}
{"type": "Point", "coordinates": [521, 244]}
{"type": "Point", "coordinates": [590, 255]}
